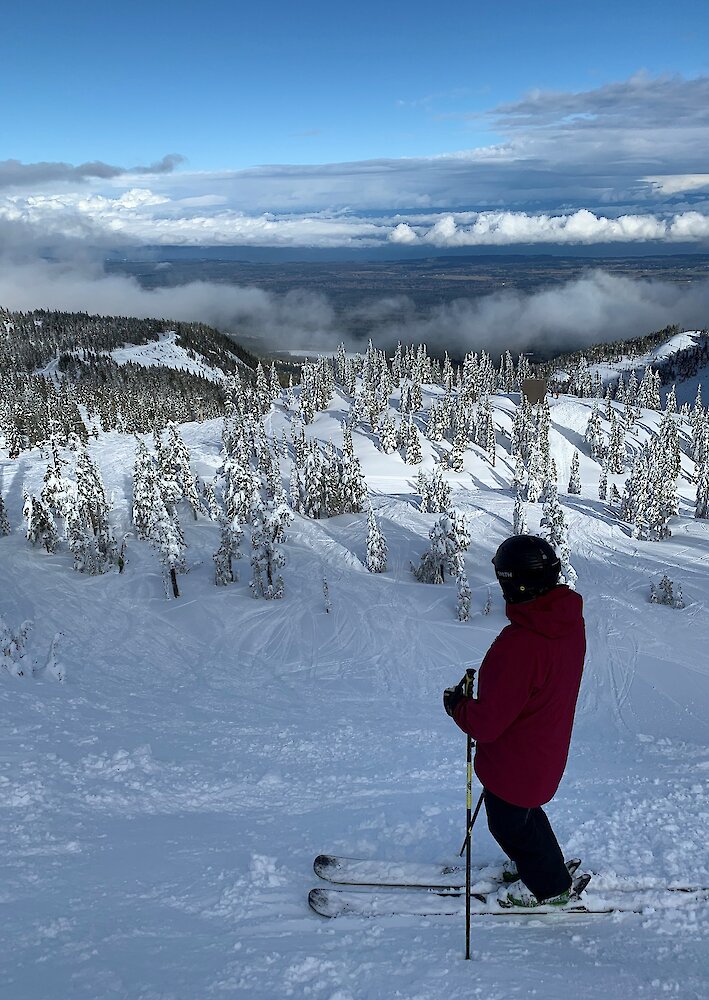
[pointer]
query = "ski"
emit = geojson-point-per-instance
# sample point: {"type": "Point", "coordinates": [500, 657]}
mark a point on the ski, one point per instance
{"type": "Point", "coordinates": [401, 874]}
{"type": "Point", "coordinates": [331, 902]}
{"type": "Point", "coordinates": [377, 873]}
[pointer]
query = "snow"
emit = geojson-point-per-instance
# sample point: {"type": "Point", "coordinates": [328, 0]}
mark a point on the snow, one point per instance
{"type": "Point", "coordinates": [161, 807]}
{"type": "Point", "coordinates": [686, 390]}
{"type": "Point", "coordinates": [164, 353]}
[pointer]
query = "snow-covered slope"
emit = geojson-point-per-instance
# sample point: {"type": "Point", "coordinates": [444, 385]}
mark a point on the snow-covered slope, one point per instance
{"type": "Point", "coordinates": [160, 809]}
{"type": "Point", "coordinates": [670, 348]}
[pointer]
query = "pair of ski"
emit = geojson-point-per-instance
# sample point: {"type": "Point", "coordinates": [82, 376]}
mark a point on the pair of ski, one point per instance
{"type": "Point", "coordinates": [388, 888]}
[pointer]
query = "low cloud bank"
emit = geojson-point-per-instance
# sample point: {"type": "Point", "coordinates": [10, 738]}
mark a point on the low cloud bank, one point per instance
{"type": "Point", "coordinates": [596, 307]}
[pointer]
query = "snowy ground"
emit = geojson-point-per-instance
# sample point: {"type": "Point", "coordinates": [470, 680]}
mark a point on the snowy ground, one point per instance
{"type": "Point", "coordinates": [160, 810]}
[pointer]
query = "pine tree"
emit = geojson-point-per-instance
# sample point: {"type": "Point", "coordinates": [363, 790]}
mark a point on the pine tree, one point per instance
{"type": "Point", "coordinates": [387, 436]}
{"type": "Point", "coordinates": [91, 499]}
{"type": "Point", "coordinates": [4, 520]}
{"type": "Point", "coordinates": [145, 489]}
{"type": "Point", "coordinates": [603, 483]}
{"type": "Point", "coordinates": [439, 492]}
{"type": "Point", "coordinates": [701, 509]}
{"type": "Point", "coordinates": [40, 524]}
{"type": "Point", "coordinates": [268, 531]}
{"type": "Point", "coordinates": [594, 434]}
{"type": "Point", "coordinates": [56, 489]}
{"type": "Point", "coordinates": [414, 455]}
{"type": "Point", "coordinates": [448, 539]}
{"type": "Point", "coordinates": [175, 469]}
{"type": "Point", "coordinates": [616, 446]}
{"type": "Point", "coordinates": [230, 539]}
{"type": "Point", "coordinates": [519, 520]}
{"type": "Point", "coordinates": [575, 478]}
{"type": "Point", "coordinates": [376, 546]}
{"type": "Point", "coordinates": [13, 648]}
{"type": "Point", "coordinates": [464, 595]}
{"type": "Point", "coordinates": [82, 540]}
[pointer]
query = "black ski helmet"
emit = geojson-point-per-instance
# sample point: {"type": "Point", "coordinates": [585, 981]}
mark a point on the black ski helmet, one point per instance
{"type": "Point", "coordinates": [526, 567]}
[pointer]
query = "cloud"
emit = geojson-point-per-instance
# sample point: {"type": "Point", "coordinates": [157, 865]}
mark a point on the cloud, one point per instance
{"type": "Point", "coordinates": [596, 307]}
{"type": "Point", "coordinates": [622, 163]}
{"type": "Point", "coordinates": [14, 174]}
{"type": "Point", "coordinates": [640, 102]}
{"type": "Point", "coordinates": [579, 228]}
{"type": "Point", "coordinates": [140, 215]}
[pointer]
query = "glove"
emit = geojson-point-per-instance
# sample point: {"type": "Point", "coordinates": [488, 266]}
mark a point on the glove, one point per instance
{"type": "Point", "coordinates": [452, 696]}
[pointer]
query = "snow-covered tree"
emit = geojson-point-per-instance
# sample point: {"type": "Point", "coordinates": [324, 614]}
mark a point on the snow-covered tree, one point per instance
{"type": "Point", "coordinates": [40, 524]}
{"type": "Point", "coordinates": [575, 478]}
{"type": "Point", "coordinates": [519, 520]}
{"type": "Point", "coordinates": [175, 470]}
{"type": "Point", "coordinates": [388, 437]}
{"type": "Point", "coordinates": [448, 538]}
{"type": "Point", "coordinates": [93, 504]}
{"type": "Point", "coordinates": [230, 539]}
{"type": "Point", "coordinates": [464, 594]}
{"type": "Point", "coordinates": [269, 523]}
{"type": "Point", "coordinates": [376, 546]}
{"type": "Point", "coordinates": [414, 455]}
{"type": "Point", "coordinates": [145, 489]}
{"type": "Point", "coordinates": [4, 520]}
{"type": "Point", "coordinates": [13, 649]}
{"type": "Point", "coordinates": [603, 483]}
{"type": "Point", "coordinates": [664, 593]}
{"type": "Point", "coordinates": [555, 530]}
{"type": "Point", "coordinates": [56, 489]}
{"type": "Point", "coordinates": [616, 446]}
{"type": "Point", "coordinates": [701, 509]}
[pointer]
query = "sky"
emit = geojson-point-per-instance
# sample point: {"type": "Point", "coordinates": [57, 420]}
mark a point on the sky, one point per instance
{"type": "Point", "coordinates": [389, 124]}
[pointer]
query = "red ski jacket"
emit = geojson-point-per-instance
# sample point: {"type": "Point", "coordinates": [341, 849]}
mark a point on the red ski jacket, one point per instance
{"type": "Point", "coordinates": [529, 681]}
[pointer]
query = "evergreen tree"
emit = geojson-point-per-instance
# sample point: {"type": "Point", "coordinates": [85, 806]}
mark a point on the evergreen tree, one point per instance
{"type": "Point", "coordinates": [230, 539]}
{"type": "Point", "coordinates": [701, 509]}
{"type": "Point", "coordinates": [603, 483]}
{"type": "Point", "coordinates": [40, 524]}
{"type": "Point", "coordinates": [616, 446]}
{"type": "Point", "coordinates": [448, 539]}
{"type": "Point", "coordinates": [4, 520]}
{"type": "Point", "coordinates": [56, 489]}
{"type": "Point", "coordinates": [145, 489]}
{"type": "Point", "coordinates": [414, 455]}
{"type": "Point", "coordinates": [464, 595]}
{"type": "Point", "coordinates": [166, 536]}
{"type": "Point", "coordinates": [519, 520]}
{"type": "Point", "coordinates": [175, 470]}
{"type": "Point", "coordinates": [575, 478]}
{"type": "Point", "coordinates": [13, 648]}
{"type": "Point", "coordinates": [439, 492]}
{"type": "Point", "coordinates": [594, 433]}
{"type": "Point", "coordinates": [376, 546]}
{"type": "Point", "coordinates": [388, 436]}
{"type": "Point", "coordinates": [268, 532]}
{"type": "Point", "coordinates": [91, 499]}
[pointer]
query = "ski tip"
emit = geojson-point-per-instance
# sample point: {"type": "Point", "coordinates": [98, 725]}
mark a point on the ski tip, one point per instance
{"type": "Point", "coordinates": [323, 864]}
{"type": "Point", "coordinates": [319, 901]}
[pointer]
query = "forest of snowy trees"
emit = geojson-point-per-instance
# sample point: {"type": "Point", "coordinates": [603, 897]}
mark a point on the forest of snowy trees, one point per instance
{"type": "Point", "coordinates": [61, 386]}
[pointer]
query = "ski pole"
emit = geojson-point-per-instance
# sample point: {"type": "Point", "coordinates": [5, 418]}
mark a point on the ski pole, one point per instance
{"type": "Point", "coordinates": [467, 690]}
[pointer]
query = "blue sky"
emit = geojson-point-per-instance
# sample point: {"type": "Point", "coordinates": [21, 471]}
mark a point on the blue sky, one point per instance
{"type": "Point", "coordinates": [321, 124]}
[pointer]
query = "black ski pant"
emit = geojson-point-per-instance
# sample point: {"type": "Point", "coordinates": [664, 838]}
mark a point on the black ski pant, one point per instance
{"type": "Point", "coordinates": [526, 837]}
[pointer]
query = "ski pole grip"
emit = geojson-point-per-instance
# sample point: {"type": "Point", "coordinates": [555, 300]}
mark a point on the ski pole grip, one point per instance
{"type": "Point", "coordinates": [469, 681]}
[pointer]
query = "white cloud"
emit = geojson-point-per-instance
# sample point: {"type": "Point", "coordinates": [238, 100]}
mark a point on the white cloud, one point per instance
{"type": "Point", "coordinates": [678, 183]}
{"type": "Point", "coordinates": [142, 216]}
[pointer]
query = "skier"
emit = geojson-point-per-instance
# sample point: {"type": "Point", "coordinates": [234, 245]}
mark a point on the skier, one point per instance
{"type": "Point", "coordinates": [522, 717]}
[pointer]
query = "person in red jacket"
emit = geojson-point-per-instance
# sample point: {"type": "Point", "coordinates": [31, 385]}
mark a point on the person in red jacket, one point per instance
{"type": "Point", "coordinates": [522, 717]}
